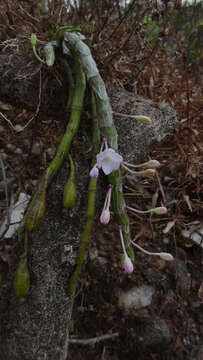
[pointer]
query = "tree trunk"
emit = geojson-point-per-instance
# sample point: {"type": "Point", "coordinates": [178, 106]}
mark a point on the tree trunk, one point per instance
{"type": "Point", "coordinates": [37, 328]}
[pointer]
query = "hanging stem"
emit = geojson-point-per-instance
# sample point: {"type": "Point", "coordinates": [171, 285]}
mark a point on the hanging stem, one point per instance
{"type": "Point", "coordinates": [90, 203]}
{"type": "Point", "coordinates": [71, 130]}
{"type": "Point", "coordinates": [73, 42]}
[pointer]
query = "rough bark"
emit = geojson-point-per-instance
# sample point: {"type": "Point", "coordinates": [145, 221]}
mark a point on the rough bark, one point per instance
{"type": "Point", "coordinates": [37, 328]}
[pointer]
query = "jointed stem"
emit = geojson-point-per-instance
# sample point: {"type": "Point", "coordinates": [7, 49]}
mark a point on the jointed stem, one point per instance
{"type": "Point", "coordinates": [85, 235]}
{"type": "Point", "coordinates": [73, 42]}
{"type": "Point", "coordinates": [71, 130]}
{"type": "Point", "coordinates": [90, 203]}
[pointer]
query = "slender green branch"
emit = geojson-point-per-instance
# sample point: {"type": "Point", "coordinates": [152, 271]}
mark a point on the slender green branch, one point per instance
{"type": "Point", "coordinates": [73, 42]}
{"type": "Point", "coordinates": [85, 235]}
{"type": "Point", "coordinates": [90, 203]}
{"type": "Point", "coordinates": [66, 141]}
{"type": "Point", "coordinates": [71, 83]}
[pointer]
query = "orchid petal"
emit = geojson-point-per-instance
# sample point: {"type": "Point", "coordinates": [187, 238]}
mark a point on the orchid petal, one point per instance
{"type": "Point", "coordinates": [109, 161]}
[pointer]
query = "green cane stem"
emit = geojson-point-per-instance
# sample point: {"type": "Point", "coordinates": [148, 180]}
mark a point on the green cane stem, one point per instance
{"type": "Point", "coordinates": [71, 130]}
{"type": "Point", "coordinates": [73, 42]}
{"type": "Point", "coordinates": [90, 203]}
{"type": "Point", "coordinates": [26, 243]}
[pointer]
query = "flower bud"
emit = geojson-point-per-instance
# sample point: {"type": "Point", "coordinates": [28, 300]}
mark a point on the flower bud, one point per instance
{"type": "Point", "coordinates": [152, 164]}
{"type": "Point", "coordinates": [35, 212]}
{"type": "Point", "coordinates": [22, 279]}
{"type": "Point", "coordinates": [105, 217]}
{"type": "Point", "coordinates": [70, 191]}
{"type": "Point", "coordinates": [149, 173]}
{"type": "Point", "coordinates": [37, 206]}
{"type": "Point", "coordinates": [144, 119]}
{"type": "Point", "coordinates": [127, 264]}
{"type": "Point", "coordinates": [94, 172]}
{"type": "Point", "coordinates": [33, 39]}
{"type": "Point", "coordinates": [159, 210]}
{"type": "Point", "coordinates": [69, 195]}
{"type": "Point", "coordinates": [166, 256]}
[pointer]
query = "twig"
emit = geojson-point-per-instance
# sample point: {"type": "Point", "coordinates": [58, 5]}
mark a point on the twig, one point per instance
{"type": "Point", "coordinates": [9, 121]}
{"type": "Point", "coordinates": [32, 17]}
{"type": "Point", "coordinates": [94, 340]}
{"type": "Point", "coordinates": [161, 187]}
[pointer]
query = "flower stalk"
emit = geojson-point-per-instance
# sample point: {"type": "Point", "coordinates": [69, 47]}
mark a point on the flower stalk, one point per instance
{"type": "Point", "coordinates": [162, 255]}
{"type": "Point", "coordinates": [159, 210]}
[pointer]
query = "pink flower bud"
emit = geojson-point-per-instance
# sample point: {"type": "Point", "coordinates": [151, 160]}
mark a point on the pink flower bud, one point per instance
{"type": "Point", "coordinates": [152, 164]}
{"type": "Point", "coordinates": [159, 210]}
{"type": "Point", "coordinates": [105, 217]}
{"type": "Point", "coordinates": [166, 256]}
{"type": "Point", "coordinates": [149, 173]}
{"type": "Point", "coordinates": [127, 264]}
{"type": "Point", "coordinates": [94, 172]}
{"type": "Point", "coordinates": [144, 119]}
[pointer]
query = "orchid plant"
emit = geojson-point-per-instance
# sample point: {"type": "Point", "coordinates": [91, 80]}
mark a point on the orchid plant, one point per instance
{"type": "Point", "coordinates": [107, 159]}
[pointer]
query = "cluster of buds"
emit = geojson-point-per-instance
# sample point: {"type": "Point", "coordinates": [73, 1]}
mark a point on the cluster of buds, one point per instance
{"type": "Point", "coordinates": [108, 160]}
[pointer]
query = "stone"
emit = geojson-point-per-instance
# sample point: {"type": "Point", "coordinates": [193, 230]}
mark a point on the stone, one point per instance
{"type": "Point", "coordinates": [137, 298]}
{"type": "Point", "coordinates": [159, 336]}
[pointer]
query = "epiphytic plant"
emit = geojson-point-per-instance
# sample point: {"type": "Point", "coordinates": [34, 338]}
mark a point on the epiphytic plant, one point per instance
{"type": "Point", "coordinates": [70, 41]}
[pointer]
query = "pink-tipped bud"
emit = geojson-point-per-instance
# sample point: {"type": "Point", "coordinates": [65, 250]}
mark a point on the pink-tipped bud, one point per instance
{"type": "Point", "coordinates": [149, 173]}
{"type": "Point", "coordinates": [143, 119]}
{"type": "Point", "coordinates": [127, 264]}
{"type": "Point", "coordinates": [152, 164]}
{"type": "Point", "coordinates": [94, 172]}
{"type": "Point", "coordinates": [166, 256]}
{"type": "Point", "coordinates": [159, 210]}
{"type": "Point", "coordinates": [105, 217]}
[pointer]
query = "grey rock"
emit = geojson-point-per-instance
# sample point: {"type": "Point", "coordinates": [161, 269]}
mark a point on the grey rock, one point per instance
{"type": "Point", "coordinates": [159, 336]}
{"type": "Point", "coordinates": [135, 138]}
{"type": "Point", "coordinates": [137, 298]}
